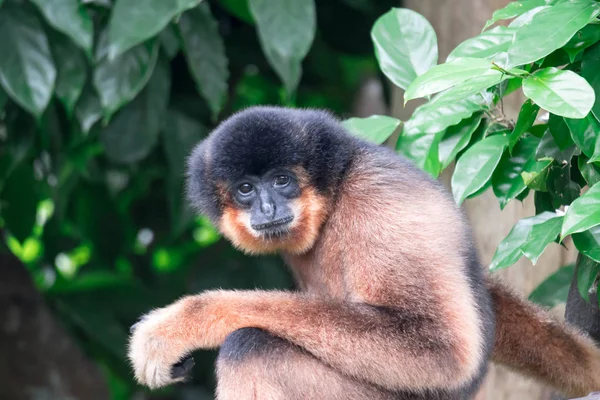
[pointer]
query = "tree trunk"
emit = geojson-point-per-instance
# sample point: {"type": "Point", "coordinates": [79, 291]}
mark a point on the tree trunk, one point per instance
{"type": "Point", "coordinates": [38, 358]}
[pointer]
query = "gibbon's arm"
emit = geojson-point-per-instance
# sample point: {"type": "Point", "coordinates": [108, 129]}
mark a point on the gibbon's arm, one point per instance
{"type": "Point", "coordinates": [532, 342]}
{"type": "Point", "coordinates": [393, 349]}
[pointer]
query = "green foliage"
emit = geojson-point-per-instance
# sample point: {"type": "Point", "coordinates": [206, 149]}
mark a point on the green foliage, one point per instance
{"type": "Point", "coordinates": [551, 51]}
{"type": "Point", "coordinates": [102, 101]}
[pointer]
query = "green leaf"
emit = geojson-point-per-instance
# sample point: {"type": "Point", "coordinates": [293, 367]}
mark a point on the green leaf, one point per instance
{"type": "Point", "coordinates": [529, 237]}
{"type": "Point", "coordinates": [475, 167]}
{"type": "Point", "coordinates": [549, 149]}
{"type": "Point", "coordinates": [526, 17]}
{"type": "Point", "coordinates": [590, 64]}
{"type": "Point", "coordinates": [560, 132]}
{"type": "Point", "coordinates": [238, 8]}
{"type": "Point", "coordinates": [486, 45]}
{"type": "Point", "coordinates": [550, 29]}
{"type": "Point", "coordinates": [527, 116]}
{"type": "Point", "coordinates": [588, 242]}
{"type": "Point", "coordinates": [169, 41]}
{"type": "Point", "coordinates": [560, 92]}
{"type": "Point", "coordinates": [134, 21]}
{"type": "Point", "coordinates": [19, 201]}
{"type": "Point", "coordinates": [587, 271]}
{"type": "Point", "coordinates": [286, 29]}
{"type": "Point", "coordinates": [456, 138]}
{"type": "Point", "coordinates": [589, 171]}
{"type": "Point", "coordinates": [119, 80]}
{"type": "Point", "coordinates": [71, 18]}
{"type": "Point", "coordinates": [3, 99]}
{"type": "Point", "coordinates": [88, 110]}
{"type": "Point", "coordinates": [512, 10]}
{"type": "Point", "coordinates": [376, 128]}
{"type": "Point", "coordinates": [506, 180]}
{"type": "Point", "coordinates": [405, 45]}
{"type": "Point", "coordinates": [132, 134]}
{"type": "Point", "coordinates": [586, 135]}
{"type": "Point", "coordinates": [535, 175]}
{"type": "Point", "coordinates": [205, 54]}
{"type": "Point", "coordinates": [181, 135]}
{"type": "Point", "coordinates": [72, 71]}
{"type": "Point", "coordinates": [583, 39]}
{"type": "Point", "coordinates": [27, 72]}
{"type": "Point", "coordinates": [583, 213]}
{"type": "Point", "coordinates": [422, 149]}
{"type": "Point", "coordinates": [555, 289]}
{"type": "Point", "coordinates": [470, 87]}
{"type": "Point", "coordinates": [444, 76]}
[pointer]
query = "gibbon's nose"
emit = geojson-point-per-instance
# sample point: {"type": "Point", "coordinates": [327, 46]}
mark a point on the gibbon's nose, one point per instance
{"type": "Point", "coordinates": [267, 207]}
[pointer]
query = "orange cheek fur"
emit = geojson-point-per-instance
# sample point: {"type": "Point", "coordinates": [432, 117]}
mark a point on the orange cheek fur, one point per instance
{"type": "Point", "coordinates": [310, 211]}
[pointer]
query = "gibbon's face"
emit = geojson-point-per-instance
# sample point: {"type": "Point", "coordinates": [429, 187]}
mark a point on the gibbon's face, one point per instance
{"type": "Point", "coordinates": [275, 211]}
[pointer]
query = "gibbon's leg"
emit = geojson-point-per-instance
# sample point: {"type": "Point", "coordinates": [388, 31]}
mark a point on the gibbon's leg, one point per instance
{"type": "Point", "coordinates": [253, 364]}
{"type": "Point", "coordinates": [531, 341]}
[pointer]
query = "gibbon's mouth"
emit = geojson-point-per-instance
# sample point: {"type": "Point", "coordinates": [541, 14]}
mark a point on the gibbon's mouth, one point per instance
{"type": "Point", "coordinates": [274, 229]}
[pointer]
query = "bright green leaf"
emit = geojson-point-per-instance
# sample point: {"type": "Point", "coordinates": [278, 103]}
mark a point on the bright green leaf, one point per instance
{"type": "Point", "coordinates": [119, 80]}
{"type": "Point", "coordinates": [587, 271]}
{"type": "Point", "coordinates": [405, 45]}
{"type": "Point", "coordinates": [205, 54]}
{"type": "Point", "coordinates": [560, 92]}
{"type": "Point", "coordinates": [71, 18]}
{"type": "Point", "coordinates": [529, 237]}
{"type": "Point", "coordinates": [583, 213]}
{"type": "Point", "coordinates": [286, 29]}
{"type": "Point", "coordinates": [486, 45]}
{"type": "Point", "coordinates": [133, 132]}
{"type": "Point", "coordinates": [475, 167]}
{"type": "Point", "coordinates": [550, 29]}
{"type": "Point", "coordinates": [586, 135]}
{"type": "Point", "coordinates": [27, 72]}
{"type": "Point", "coordinates": [534, 175]}
{"type": "Point", "coordinates": [555, 289]}
{"type": "Point", "coordinates": [590, 64]}
{"type": "Point", "coordinates": [526, 17]}
{"type": "Point", "coordinates": [588, 243]}
{"type": "Point", "coordinates": [506, 180]}
{"type": "Point", "coordinates": [527, 116]}
{"type": "Point", "coordinates": [444, 76]}
{"type": "Point", "coordinates": [421, 148]}
{"type": "Point", "coordinates": [456, 138]}
{"type": "Point", "coordinates": [512, 10]}
{"type": "Point", "coordinates": [72, 71]}
{"type": "Point", "coordinates": [134, 21]}
{"type": "Point", "coordinates": [376, 128]}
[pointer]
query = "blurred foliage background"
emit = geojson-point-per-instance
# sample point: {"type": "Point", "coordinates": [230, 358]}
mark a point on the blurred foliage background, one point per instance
{"type": "Point", "coordinates": [100, 103]}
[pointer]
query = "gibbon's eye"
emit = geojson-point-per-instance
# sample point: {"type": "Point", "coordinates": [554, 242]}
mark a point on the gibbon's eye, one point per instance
{"type": "Point", "coordinates": [245, 188]}
{"type": "Point", "coordinates": [281, 180]}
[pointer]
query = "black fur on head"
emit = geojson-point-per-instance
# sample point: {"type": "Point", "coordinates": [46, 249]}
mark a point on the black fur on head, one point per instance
{"type": "Point", "coordinates": [259, 139]}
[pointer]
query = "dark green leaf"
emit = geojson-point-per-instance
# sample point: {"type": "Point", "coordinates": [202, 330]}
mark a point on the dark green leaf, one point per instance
{"type": "Point", "coordinates": [487, 45]}
{"type": "Point", "coordinates": [456, 138]}
{"type": "Point", "coordinates": [20, 198]}
{"type": "Point", "coordinates": [506, 180]}
{"type": "Point", "coordinates": [527, 116]}
{"type": "Point", "coordinates": [70, 18]}
{"type": "Point", "coordinates": [286, 29]}
{"type": "Point", "coordinates": [589, 171]}
{"type": "Point", "coordinates": [555, 289]}
{"type": "Point", "coordinates": [587, 271]}
{"type": "Point", "coordinates": [239, 8]}
{"type": "Point", "coordinates": [72, 71]}
{"type": "Point", "coordinates": [549, 149]}
{"type": "Point", "coordinates": [529, 237]}
{"type": "Point", "coordinates": [588, 242]}
{"type": "Point", "coordinates": [119, 80]}
{"type": "Point", "coordinates": [560, 132]}
{"type": "Point", "coordinates": [560, 92]}
{"type": "Point", "coordinates": [584, 213]}
{"type": "Point", "coordinates": [444, 76]}
{"type": "Point", "coordinates": [590, 64]}
{"type": "Point", "coordinates": [134, 21]}
{"type": "Point", "coordinates": [205, 53]}
{"type": "Point", "coordinates": [512, 10]}
{"type": "Point", "coordinates": [376, 128]}
{"type": "Point", "coordinates": [169, 41]}
{"type": "Point", "coordinates": [535, 175]}
{"type": "Point", "coordinates": [27, 71]}
{"type": "Point", "coordinates": [3, 99]}
{"type": "Point", "coordinates": [88, 110]}
{"type": "Point", "coordinates": [583, 39]}
{"type": "Point", "coordinates": [130, 136]}
{"type": "Point", "coordinates": [550, 29]}
{"type": "Point", "coordinates": [563, 190]}
{"type": "Point", "coordinates": [543, 202]}
{"type": "Point", "coordinates": [475, 167]}
{"type": "Point", "coordinates": [405, 45]}
{"type": "Point", "coordinates": [181, 135]}
{"type": "Point", "coordinates": [586, 133]}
